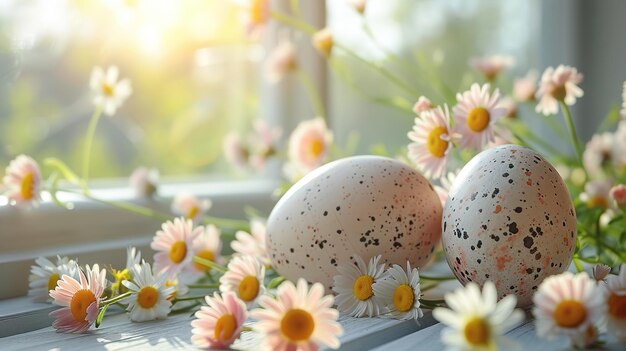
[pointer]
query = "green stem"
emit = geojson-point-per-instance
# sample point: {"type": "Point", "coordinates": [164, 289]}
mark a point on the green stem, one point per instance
{"type": "Point", "coordinates": [189, 298]}
{"type": "Point", "coordinates": [203, 286]}
{"type": "Point", "coordinates": [292, 22]}
{"type": "Point", "coordinates": [426, 277]}
{"type": "Point", "coordinates": [572, 132]}
{"type": "Point", "coordinates": [91, 132]}
{"type": "Point", "coordinates": [579, 267]}
{"type": "Point", "coordinates": [312, 92]}
{"type": "Point", "coordinates": [209, 264]}
{"type": "Point", "coordinates": [115, 299]}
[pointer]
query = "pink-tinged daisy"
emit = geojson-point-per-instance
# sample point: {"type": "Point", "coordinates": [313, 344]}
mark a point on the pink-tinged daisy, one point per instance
{"type": "Point", "coordinates": [144, 181]}
{"type": "Point", "coordinates": [475, 114]}
{"type": "Point", "coordinates": [148, 299]}
{"type": "Point", "coordinates": [431, 136]}
{"type": "Point", "coordinates": [253, 243]}
{"type": "Point", "coordinates": [560, 84]}
{"type": "Point", "coordinates": [262, 143]}
{"type": "Point", "coordinates": [220, 323]}
{"type": "Point", "coordinates": [190, 207]}
{"type": "Point", "coordinates": [323, 42]}
{"type": "Point", "coordinates": [208, 246]}
{"type": "Point", "coordinates": [509, 105]}
{"type": "Point", "coordinates": [174, 246]}
{"type": "Point", "coordinates": [235, 151]}
{"type": "Point", "coordinates": [244, 277]}
{"type": "Point", "coordinates": [45, 275]}
{"type": "Point", "coordinates": [491, 66]}
{"type": "Point", "coordinates": [600, 271]}
{"type": "Point", "coordinates": [22, 180]}
{"type": "Point", "coordinates": [618, 194]}
{"type": "Point", "coordinates": [524, 88]}
{"type": "Point", "coordinates": [598, 154]}
{"type": "Point", "coordinates": [446, 182]}
{"type": "Point", "coordinates": [109, 93]}
{"type": "Point", "coordinates": [616, 304]}
{"type": "Point", "coordinates": [309, 143]}
{"type": "Point", "coordinates": [423, 104]}
{"type": "Point", "coordinates": [298, 319]}
{"type": "Point", "coordinates": [281, 61]}
{"type": "Point", "coordinates": [567, 304]}
{"type": "Point", "coordinates": [477, 321]}
{"type": "Point", "coordinates": [400, 292]}
{"type": "Point", "coordinates": [353, 287]}
{"type": "Point", "coordinates": [133, 257]}
{"type": "Point", "coordinates": [597, 194]}
{"type": "Point", "coordinates": [81, 300]}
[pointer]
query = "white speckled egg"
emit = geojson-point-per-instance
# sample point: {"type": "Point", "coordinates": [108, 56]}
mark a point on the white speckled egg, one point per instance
{"type": "Point", "coordinates": [509, 219]}
{"type": "Point", "coordinates": [363, 205]}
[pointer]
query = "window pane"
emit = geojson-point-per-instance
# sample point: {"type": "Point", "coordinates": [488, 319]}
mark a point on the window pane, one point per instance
{"type": "Point", "coordinates": [192, 67]}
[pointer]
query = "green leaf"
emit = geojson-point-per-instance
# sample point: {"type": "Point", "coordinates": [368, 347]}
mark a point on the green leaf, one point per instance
{"type": "Point", "coordinates": [274, 283]}
{"type": "Point", "coordinates": [63, 169]}
{"type": "Point", "coordinates": [101, 315]}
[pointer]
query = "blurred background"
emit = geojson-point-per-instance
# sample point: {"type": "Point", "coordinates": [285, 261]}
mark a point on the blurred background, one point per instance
{"type": "Point", "coordinates": [197, 75]}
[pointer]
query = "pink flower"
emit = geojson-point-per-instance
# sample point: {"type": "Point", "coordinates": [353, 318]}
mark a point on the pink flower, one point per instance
{"type": "Point", "coordinates": [220, 323]}
{"type": "Point", "coordinates": [23, 181]}
{"type": "Point", "coordinates": [237, 154]}
{"type": "Point", "coordinates": [174, 246]}
{"type": "Point", "coordinates": [423, 104]}
{"type": "Point", "coordinates": [281, 61]}
{"type": "Point", "coordinates": [262, 143]}
{"type": "Point", "coordinates": [431, 141]}
{"type": "Point", "coordinates": [244, 277]}
{"type": "Point", "coordinates": [81, 300]}
{"type": "Point", "coordinates": [475, 114]}
{"type": "Point", "coordinates": [144, 181]}
{"type": "Point", "coordinates": [524, 88]}
{"type": "Point", "coordinates": [618, 194]}
{"type": "Point", "coordinates": [298, 319]}
{"type": "Point", "coordinates": [491, 66]}
{"type": "Point", "coordinates": [560, 84]}
{"type": "Point", "coordinates": [309, 143]}
{"type": "Point", "coordinates": [190, 207]}
{"type": "Point", "coordinates": [323, 42]}
{"type": "Point", "coordinates": [253, 243]}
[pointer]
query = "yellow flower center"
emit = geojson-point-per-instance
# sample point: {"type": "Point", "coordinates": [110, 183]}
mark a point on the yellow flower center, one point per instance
{"type": "Point", "coordinates": [403, 298]}
{"type": "Point", "coordinates": [168, 284]}
{"type": "Point", "coordinates": [316, 148]}
{"type": "Point", "coordinates": [477, 332]}
{"type": "Point", "coordinates": [478, 119]}
{"type": "Point", "coordinates": [257, 11]}
{"type": "Point", "coordinates": [178, 251]}
{"type": "Point", "coordinates": [559, 92]}
{"type": "Point", "coordinates": [436, 145]}
{"type": "Point", "coordinates": [52, 281]}
{"type": "Point", "coordinates": [81, 300]}
{"type": "Point", "coordinates": [108, 89]}
{"type": "Point", "coordinates": [147, 297]}
{"type": "Point", "coordinates": [248, 288]}
{"type": "Point", "coordinates": [207, 255]}
{"type": "Point", "coordinates": [570, 313]}
{"type": "Point", "coordinates": [363, 287]}
{"type": "Point", "coordinates": [297, 325]}
{"type": "Point", "coordinates": [323, 43]}
{"type": "Point", "coordinates": [27, 187]}
{"type": "Point", "coordinates": [225, 327]}
{"type": "Point", "coordinates": [193, 212]}
{"type": "Point", "coordinates": [617, 306]}
{"type": "Point", "coordinates": [597, 202]}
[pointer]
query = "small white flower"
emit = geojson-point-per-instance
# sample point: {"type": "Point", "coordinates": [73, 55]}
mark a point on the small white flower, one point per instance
{"type": "Point", "coordinates": [431, 141]}
{"type": "Point", "coordinates": [598, 154]}
{"type": "Point", "coordinates": [423, 104]}
{"type": "Point", "coordinates": [281, 61]}
{"type": "Point", "coordinates": [109, 93]}
{"type": "Point", "coordinates": [253, 243]}
{"type": "Point", "coordinates": [597, 194]}
{"type": "Point", "coordinates": [560, 84]}
{"type": "Point", "coordinates": [353, 287]}
{"type": "Point", "coordinates": [475, 115]}
{"type": "Point", "coordinates": [567, 304]}
{"type": "Point", "coordinates": [478, 321]}
{"type": "Point", "coordinates": [524, 88]}
{"type": "Point", "coordinates": [148, 300]}
{"type": "Point", "coordinates": [616, 303]}
{"type": "Point", "coordinates": [244, 277]}
{"type": "Point", "coordinates": [45, 275]}
{"type": "Point", "coordinates": [144, 181]}
{"type": "Point", "coordinates": [190, 207]}
{"type": "Point", "coordinates": [22, 180]}
{"type": "Point", "coordinates": [400, 291]}
{"type": "Point", "coordinates": [309, 143]}
{"type": "Point", "coordinates": [491, 66]}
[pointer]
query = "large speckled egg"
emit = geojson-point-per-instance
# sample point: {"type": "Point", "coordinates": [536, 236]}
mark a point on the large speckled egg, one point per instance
{"type": "Point", "coordinates": [509, 219]}
{"type": "Point", "coordinates": [363, 205]}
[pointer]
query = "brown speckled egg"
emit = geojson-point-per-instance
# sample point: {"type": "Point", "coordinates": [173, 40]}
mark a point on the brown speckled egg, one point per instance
{"type": "Point", "coordinates": [364, 205]}
{"type": "Point", "coordinates": [509, 219]}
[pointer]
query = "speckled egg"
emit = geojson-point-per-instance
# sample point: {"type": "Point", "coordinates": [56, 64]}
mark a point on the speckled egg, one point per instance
{"type": "Point", "coordinates": [363, 205]}
{"type": "Point", "coordinates": [509, 219]}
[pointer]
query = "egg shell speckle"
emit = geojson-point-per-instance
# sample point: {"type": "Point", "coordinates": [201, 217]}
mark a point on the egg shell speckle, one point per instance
{"type": "Point", "coordinates": [363, 205]}
{"type": "Point", "coordinates": [509, 219]}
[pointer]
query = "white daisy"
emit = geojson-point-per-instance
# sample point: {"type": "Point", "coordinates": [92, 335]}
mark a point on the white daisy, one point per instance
{"type": "Point", "coordinates": [189, 206]}
{"type": "Point", "coordinates": [598, 154]}
{"type": "Point", "coordinates": [144, 181]}
{"type": "Point", "coordinates": [475, 114]}
{"type": "Point", "coordinates": [22, 181]}
{"type": "Point", "coordinates": [400, 292]}
{"type": "Point", "coordinates": [133, 257]}
{"type": "Point", "coordinates": [148, 300]}
{"type": "Point", "coordinates": [45, 275]}
{"type": "Point", "coordinates": [616, 302]}
{"type": "Point", "coordinates": [353, 287]}
{"type": "Point", "coordinates": [597, 194]}
{"type": "Point", "coordinates": [109, 93]}
{"type": "Point", "coordinates": [478, 321]}
{"type": "Point", "coordinates": [491, 66]}
{"type": "Point", "coordinates": [208, 246]}
{"type": "Point", "coordinates": [253, 243]}
{"type": "Point", "coordinates": [174, 246]}
{"type": "Point", "coordinates": [524, 88]}
{"type": "Point", "coordinates": [567, 304]}
{"type": "Point", "coordinates": [431, 136]}
{"type": "Point", "coordinates": [245, 277]}
{"type": "Point", "coordinates": [560, 84]}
